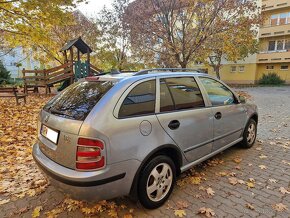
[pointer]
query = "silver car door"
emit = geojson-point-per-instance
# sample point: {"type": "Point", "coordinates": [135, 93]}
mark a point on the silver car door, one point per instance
{"type": "Point", "coordinates": [229, 114]}
{"type": "Point", "coordinates": [184, 117]}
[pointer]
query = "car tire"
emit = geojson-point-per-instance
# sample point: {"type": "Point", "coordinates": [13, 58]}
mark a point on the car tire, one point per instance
{"type": "Point", "coordinates": [156, 181]}
{"type": "Point", "coordinates": [250, 134]}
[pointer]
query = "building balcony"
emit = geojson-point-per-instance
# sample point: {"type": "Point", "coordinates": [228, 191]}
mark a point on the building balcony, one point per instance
{"type": "Point", "coordinates": [268, 5]}
{"type": "Point", "coordinates": [275, 30]}
{"type": "Point", "coordinates": [273, 56]}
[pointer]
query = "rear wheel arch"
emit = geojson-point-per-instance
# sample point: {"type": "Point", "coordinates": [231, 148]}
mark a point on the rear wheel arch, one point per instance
{"type": "Point", "coordinates": [171, 151]}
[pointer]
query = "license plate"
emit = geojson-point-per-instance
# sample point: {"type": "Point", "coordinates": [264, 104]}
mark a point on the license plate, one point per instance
{"type": "Point", "coordinates": [49, 133]}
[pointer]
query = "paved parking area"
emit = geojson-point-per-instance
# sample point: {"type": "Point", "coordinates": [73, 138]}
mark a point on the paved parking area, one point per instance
{"type": "Point", "coordinates": [236, 183]}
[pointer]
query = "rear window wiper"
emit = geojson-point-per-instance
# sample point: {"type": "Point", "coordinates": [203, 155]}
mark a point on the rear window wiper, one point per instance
{"type": "Point", "coordinates": [55, 111]}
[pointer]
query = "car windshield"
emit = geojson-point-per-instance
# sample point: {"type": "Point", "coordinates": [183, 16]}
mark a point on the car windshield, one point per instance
{"type": "Point", "coordinates": [78, 100]}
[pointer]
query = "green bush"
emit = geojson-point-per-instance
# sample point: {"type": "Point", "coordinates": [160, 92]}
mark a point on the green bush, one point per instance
{"type": "Point", "coordinates": [4, 74]}
{"type": "Point", "coordinates": [271, 79]}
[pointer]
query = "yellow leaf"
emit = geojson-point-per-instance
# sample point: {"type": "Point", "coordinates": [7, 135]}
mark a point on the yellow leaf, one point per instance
{"type": "Point", "coordinates": [179, 213]}
{"type": "Point", "coordinates": [128, 215]}
{"type": "Point", "coordinates": [36, 211]}
{"type": "Point", "coordinates": [113, 213]}
{"type": "Point", "coordinates": [196, 180]}
{"type": "Point", "coordinates": [250, 184]}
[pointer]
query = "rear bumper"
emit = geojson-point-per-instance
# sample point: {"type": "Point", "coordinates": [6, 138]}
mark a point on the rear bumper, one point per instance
{"type": "Point", "coordinates": [113, 181]}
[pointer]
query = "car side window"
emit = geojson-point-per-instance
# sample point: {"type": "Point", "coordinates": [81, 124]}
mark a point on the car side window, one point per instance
{"type": "Point", "coordinates": [140, 100]}
{"type": "Point", "coordinates": [217, 92]}
{"type": "Point", "coordinates": [179, 93]}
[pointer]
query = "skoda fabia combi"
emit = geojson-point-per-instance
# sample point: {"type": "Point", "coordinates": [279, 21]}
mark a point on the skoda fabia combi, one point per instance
{"type": "Point", "coordinates": [134, 133]}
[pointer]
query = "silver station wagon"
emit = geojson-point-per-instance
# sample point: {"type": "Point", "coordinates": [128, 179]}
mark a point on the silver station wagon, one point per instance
{"type": "Point", "coordinates": [134, 133]}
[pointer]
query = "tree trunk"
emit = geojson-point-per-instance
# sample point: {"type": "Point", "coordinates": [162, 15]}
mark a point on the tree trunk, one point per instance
{"type": "Point", "coordinates": [217, 71]}
{"type": "Point", "coordinates": [183, 64]}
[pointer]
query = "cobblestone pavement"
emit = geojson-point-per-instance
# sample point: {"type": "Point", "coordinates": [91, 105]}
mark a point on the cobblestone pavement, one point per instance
{"type": "Point", "coordinates": [244, 164]}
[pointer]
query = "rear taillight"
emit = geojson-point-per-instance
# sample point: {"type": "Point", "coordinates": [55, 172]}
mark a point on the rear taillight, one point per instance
{"type": "Point", "coordinates": [89, 154]}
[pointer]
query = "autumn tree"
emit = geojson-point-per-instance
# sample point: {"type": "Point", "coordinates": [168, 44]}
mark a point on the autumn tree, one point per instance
{"type": "Point", "coordinates": [233, 45]}
{"type": "Point", "coordinates": [114, 46]}
{"type": "Point", "coordinates": [181, 28]}
{"type": "Point", "coordinates": [31, 24]}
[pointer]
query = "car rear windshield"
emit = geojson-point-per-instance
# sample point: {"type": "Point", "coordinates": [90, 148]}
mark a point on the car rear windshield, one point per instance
{"type": "Point", "coordinates": [76, 101]}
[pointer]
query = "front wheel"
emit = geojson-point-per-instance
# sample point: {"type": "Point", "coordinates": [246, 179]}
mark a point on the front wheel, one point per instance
{"type": "Point", "coordinates": [250, 134]}
{"type": "Point", "coordinates": [156, 182]}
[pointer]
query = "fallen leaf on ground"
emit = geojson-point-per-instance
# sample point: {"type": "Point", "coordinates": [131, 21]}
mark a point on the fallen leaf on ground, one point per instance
{"type": "Point", "coordinates": [238, 160]}
{"type": "Point", "coordinates": [36, 211]}
{"type": "Point", "coordinates": [262, 156]}
{"type": "Point", "coordinates": [210, 191]}
{"type": "Point", "coordinates": [179, 213]}
{"type": "Point", "coordinates": [250, 184]}
{"type": "Point", "coordinates": [196, 180]}
{"type": "Point", "coordinates": [250, 206]}
{"type": "Point", "coordinates": [262, 167]}
{"type": "Point", "coordinates": [233, 180]}
{"type": "Point", "coordinates": [128, 215]}
{"type": "Point", "coordinates": [182, 204]}
{"type": "Point", "coordinates": [208, 212]}
{"type": "Point", "coordinates": [273, 180]}
{"type": "Point", "coordinates": [4, 201]}
{"type": "Point", "coordinates": [280, 207]}
{"type": "Point", "coordinates": [284, 190]}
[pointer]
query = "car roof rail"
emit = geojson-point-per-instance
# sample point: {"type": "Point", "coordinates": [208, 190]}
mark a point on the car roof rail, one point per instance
{"type": "Point", "coordinates": [147, 71]}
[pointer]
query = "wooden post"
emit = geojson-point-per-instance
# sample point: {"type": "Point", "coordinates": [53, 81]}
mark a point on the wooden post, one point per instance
{"type": "Point", "coordinates": [65, 56]}
{"type": "Point", "coordinates": [71, 55]}
{"type": "Point", "coordinates": [88, 61]}
{"type": "Point", "coordinates": [79, 58]}
{"type": "Point", "coordinates": [24, 81]}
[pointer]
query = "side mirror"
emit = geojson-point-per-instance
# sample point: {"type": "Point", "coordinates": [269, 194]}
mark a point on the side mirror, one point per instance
{"type": "Point", "coordinates": [242, 99]}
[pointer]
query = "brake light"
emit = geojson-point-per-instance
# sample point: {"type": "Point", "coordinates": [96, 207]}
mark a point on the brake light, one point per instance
{"type": "Point", "coordinates": [89, 154]}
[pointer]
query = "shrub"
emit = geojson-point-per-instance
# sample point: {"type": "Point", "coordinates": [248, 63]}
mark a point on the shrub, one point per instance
{"type": "Point", "coordinates": [4, 74]}
{"type": "Point", "coordinates": [271, 79]}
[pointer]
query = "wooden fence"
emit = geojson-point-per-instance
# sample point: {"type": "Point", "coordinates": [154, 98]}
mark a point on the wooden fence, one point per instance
{"type": "Point", "coordinates": [33, 79]}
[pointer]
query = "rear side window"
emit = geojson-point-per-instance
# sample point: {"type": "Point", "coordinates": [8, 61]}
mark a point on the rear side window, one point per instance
{"type": "Point", "coordinates": [179, 94]}
{"type": "Point", "coordinates": [140, 101]}
{"type": "Point", "coordinates": [76, 101]}
{"type": "Point", "coordinates": [217, 92]}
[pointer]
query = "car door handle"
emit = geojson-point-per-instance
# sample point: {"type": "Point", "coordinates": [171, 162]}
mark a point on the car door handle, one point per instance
{"type": "Point", "coordinates": [218, 115]}
{"type": "Point", "coordinates": [174, 124]}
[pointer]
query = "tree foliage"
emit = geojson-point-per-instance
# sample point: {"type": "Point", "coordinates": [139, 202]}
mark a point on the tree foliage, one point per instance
{"type": "Point", "coordinates": [182, 28]}
{"type": "Point", "coordinates": [33, 24]}
{"type": "Point", "coordinates": [114, 47]}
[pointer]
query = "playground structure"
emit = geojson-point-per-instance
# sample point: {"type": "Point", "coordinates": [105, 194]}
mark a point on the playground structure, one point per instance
{"type": "Point", "coordinates": [67, 73]}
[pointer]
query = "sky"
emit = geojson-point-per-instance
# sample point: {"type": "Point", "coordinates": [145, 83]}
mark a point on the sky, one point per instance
{"type": "Point", "coordinates": [93, 7]}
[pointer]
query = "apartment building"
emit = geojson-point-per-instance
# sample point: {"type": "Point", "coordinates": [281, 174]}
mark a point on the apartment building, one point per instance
{"type": "Point", "coordinates": [274, 36]}
{"type": "Point", "coordinates": [274, 51]}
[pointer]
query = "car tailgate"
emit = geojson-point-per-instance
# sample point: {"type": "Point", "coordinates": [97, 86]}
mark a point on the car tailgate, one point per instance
{"type": "Point", "coordinates": [64, 150]}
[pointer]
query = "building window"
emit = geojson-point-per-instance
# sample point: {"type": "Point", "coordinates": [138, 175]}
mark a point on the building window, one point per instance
{"type": "Point", "coordinates": [274, 19]}
{"type": "Point", "coordinates": [272, 45]}
{"type": "Point", "coordinates": [242, 68]}
{"type": "Point", "coordinates": [270, 67]}
{"type": "Point", "coordinates": [283, 19]}
{"type": "Point", "coordinates": [233, 69]}
{"type": "Point", "coordinates": [280, 45]}
{"type": "Point", "coordinates": [284, 67]}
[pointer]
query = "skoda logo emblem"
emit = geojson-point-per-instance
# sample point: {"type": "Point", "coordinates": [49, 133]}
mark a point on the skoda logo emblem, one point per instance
{"type": "Point", "coordinates": [46, 118]}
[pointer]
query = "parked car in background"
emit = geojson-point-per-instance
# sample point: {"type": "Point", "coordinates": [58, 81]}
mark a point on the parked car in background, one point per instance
{"type": "Point", "coordinates": [134, 133]}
